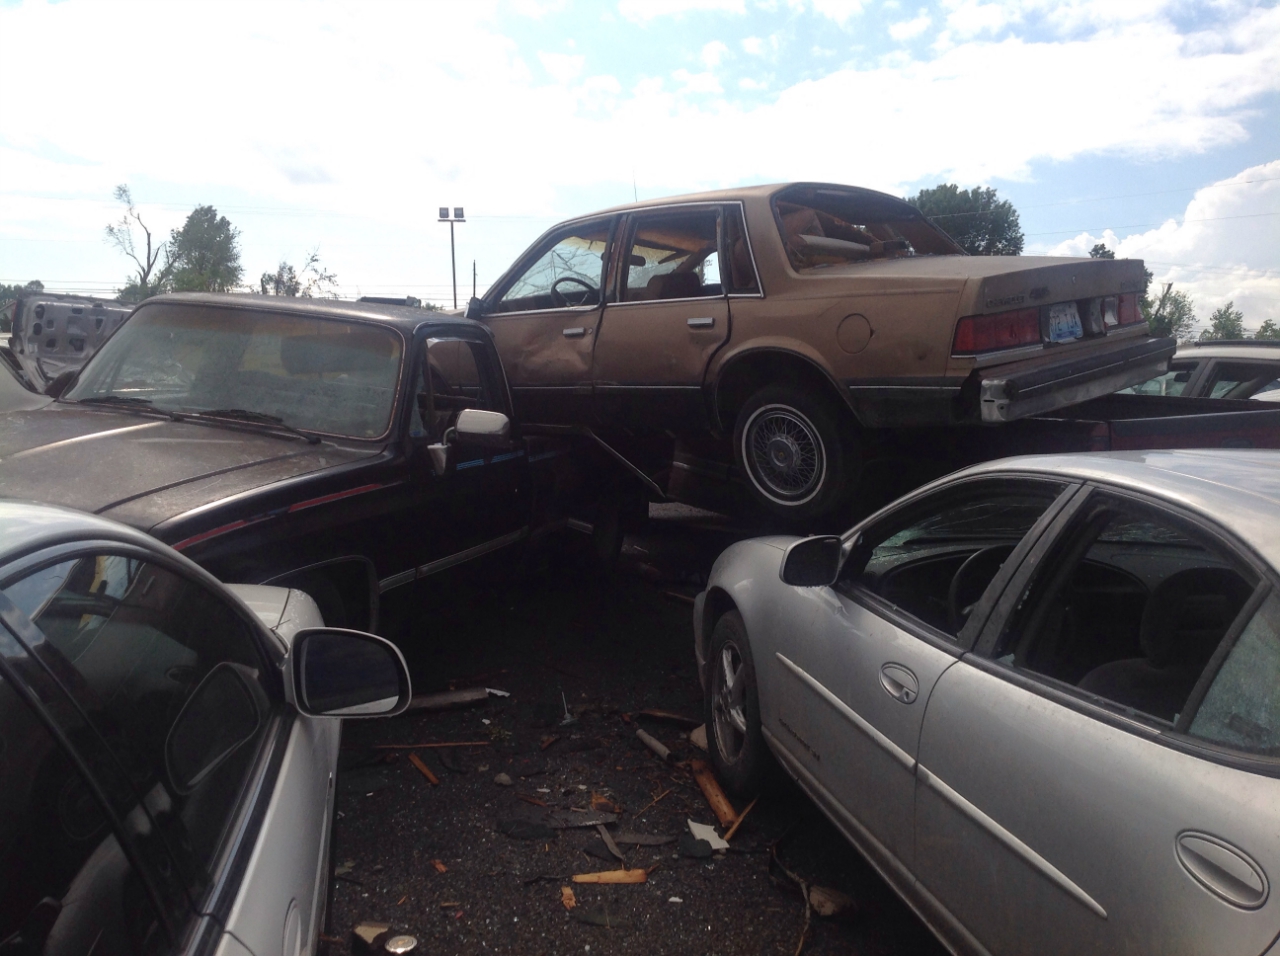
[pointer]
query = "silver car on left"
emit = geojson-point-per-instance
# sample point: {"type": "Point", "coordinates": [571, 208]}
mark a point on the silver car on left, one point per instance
{"type": "Point", "coordinates": [168, 746]}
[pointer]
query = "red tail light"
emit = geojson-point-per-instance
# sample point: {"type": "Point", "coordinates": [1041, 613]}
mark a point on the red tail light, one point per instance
{"type": "Point", "coordinates": [1130, 314]}
{"type": "Point", "coordinates": [1004, 330]}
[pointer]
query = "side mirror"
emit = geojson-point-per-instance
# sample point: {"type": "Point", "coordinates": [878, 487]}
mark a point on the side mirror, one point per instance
{"type": "Point", "coordinates": [475, 309]}
{"type": "Point", "coordinates": [341, 673]}
{"type": "Point", "coordinates": [479, 427]}
{"type": "Point", "coordinates": [812, 562]}
{"type": "Point", "coordinates": [61, 383]}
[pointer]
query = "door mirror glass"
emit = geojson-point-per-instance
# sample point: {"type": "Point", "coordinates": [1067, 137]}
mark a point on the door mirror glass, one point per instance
{"type": "Point", "coordinates": [813, 562]}
{"type": "Point", "coordinates": [340, 673]}
{"type": "Point", "coordinates": [478, 427]}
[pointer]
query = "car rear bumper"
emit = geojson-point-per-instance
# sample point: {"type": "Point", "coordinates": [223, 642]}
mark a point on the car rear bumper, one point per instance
{"type": "Point", "coordinates": [1030, 387]}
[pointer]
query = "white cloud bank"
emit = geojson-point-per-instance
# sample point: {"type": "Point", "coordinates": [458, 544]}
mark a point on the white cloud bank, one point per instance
{"type": "Point", "coordinates": [1224, 249]}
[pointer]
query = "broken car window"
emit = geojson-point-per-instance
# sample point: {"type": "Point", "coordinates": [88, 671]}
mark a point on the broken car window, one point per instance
{"type": "Point", "coordinates": [566, 273]}
{"type": "Point", "coordinates": [825, 227]}
{"type": "Point", "coordinates": [321, 375]}
{"type": "Point", "coordinates": [674, 255]}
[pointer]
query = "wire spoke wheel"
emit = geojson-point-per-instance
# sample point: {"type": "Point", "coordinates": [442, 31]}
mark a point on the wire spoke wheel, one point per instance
{"type": "Point", "coordinates": [728, 694]}
{"type": "Point", "coordinates": [784, 454]}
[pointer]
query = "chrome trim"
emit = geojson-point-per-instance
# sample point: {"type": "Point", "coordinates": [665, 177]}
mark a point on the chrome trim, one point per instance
{"type": "Point", "coordinates": [449, 561]}
{"type": "Point", "coordinates": [845, 711]}
{"type": "Point", "coordinates": [688, 298]}
{"type": "Point", "coordinates": [575, 332]}
{"type": "Point", "coordinates": [701, 323]}
{"type": "Point", "coordinates": [1055, 876]}
{"type": "Point", "coordinates": [567, 308]}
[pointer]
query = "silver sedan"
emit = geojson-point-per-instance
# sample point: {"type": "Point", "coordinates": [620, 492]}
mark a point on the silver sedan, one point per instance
{"type": "Point", "coordinates": [168, 746]}
{"type": "Point", "coordinates": [1041, 695]}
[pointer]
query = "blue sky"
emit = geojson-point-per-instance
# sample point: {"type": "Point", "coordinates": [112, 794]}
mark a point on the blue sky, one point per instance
{"type": "Point", "coordinates": [344, 126]}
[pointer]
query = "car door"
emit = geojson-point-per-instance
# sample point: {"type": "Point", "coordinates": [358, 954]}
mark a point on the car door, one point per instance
{"type": "Point", "coordinates": [860, 671]}
{"type": "Point", "coordinates": [544, 315]}
{"type": "Point", "coordinates": [1073, 793]}
{"type": "Point", "coordinates": [670, 314]}
{"type": "Point", "coordinates": [176, 684]}
{"type": "Point", "coordinates": [474, 497]}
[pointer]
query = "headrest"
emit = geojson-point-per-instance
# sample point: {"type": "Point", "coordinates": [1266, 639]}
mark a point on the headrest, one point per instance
{"type": "Point", "coordinates": [1188, 613]}
{"type": "Point", "coordinates": [674, 285]}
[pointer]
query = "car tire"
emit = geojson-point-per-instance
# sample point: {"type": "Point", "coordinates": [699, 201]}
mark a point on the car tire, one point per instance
{"type": "Point", "coordinates": [796, 458]}
{"type": "Point", "coordinates": [731, 709]}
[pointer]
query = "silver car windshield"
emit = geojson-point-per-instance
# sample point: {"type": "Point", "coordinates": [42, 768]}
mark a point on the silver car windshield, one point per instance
{"type": "Point", "coordinates": [314, 374]}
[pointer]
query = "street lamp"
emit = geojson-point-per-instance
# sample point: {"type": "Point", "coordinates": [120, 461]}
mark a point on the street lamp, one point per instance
{"type": "Point", "coordinates": [453, 256]}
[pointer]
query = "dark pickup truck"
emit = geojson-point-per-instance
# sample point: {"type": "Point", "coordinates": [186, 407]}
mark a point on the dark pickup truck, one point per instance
{"type": "Point", "coordinates": [341, 448]}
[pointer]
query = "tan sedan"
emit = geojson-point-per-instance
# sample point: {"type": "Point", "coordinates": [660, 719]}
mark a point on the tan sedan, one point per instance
{"type": "Point", "coordinates": [798, 319]}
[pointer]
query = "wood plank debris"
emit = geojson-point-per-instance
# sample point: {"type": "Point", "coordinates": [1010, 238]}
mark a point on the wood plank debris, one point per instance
{"type": "Point", "coordinates": [738, 822]}
{"type": "Point", "coordinates": [710, 788]}
{"type": "Point", "coordinates": [424, 770]}
{"type": "Point", "coordinates": [448, 700]}
{"type": "Point", "coordinates": [612, 876]}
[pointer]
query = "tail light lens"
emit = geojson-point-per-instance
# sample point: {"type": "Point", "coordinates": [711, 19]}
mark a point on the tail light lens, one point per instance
{"type": "Point", "coordinates": [1129, 313]}
{"type": "Point", "coordinates": [1003, 330]}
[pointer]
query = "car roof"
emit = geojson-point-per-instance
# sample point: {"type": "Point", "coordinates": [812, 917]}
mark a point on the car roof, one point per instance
{"type": "Point", "coordinates": [1236, 489]}
{"type": "Point", "coordinates": [405, 318]}
{"type": "Point", "coordinates": [27, 526]}
{"type": "Point", "coordinates": [1253, 351]}
{"type": "Point", "coordinates": [746, 193]}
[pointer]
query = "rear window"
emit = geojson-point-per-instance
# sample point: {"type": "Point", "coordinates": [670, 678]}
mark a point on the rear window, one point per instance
{"type": "Point", "coordinates": [824, 227]}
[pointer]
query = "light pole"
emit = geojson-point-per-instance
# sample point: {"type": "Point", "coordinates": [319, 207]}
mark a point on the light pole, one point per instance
{"type": "Point", "coordinates": [453, 255]}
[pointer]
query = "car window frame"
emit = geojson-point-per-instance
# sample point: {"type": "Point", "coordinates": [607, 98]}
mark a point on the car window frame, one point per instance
{"type": "Point", "coordinates": [964, 641]}
{"type": "Point", "coordinates": [725, 252]}
{"type": "Point", "coordinates": [491, 368]}
{"type": "Point", "coordinates": [1107, 712]}
{"type": "Point", "coordinates": [500, 288]}
{"type": "Point", "coordinates": [244, 822]}
{"type": "Point", "coordinates": [1212, 365]}
{"type": "Point", "coordinates": [626, 236]}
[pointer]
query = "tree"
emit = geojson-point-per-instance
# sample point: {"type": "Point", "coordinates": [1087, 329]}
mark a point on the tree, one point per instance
{"type": "Point", "coordinates": [10, 292]}
{"type": "Point", "coordinates": [1100, 251]}
{"type": "Point", "coordinates": [1227, 322]}
{"type": "Point", "coordinates": [978, 221]}
{"type": "Point", "coordinates": [1268, 330]}
{"type": "Point", "coordinates": [1174, 316]}
{"type": "Point", "coordinates": [313, 281]}
{"type": "Point", "coordinates": [205, 253]}
{"type": "Point", "coordinates": [148, 281]}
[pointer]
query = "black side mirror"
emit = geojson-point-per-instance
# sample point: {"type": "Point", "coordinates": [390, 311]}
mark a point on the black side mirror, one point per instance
{"type": "Point", "coordinates": [475, 309]}
{"type": "Point", "coordinates": [341, 673]}
{"type": "Point", "coordinates": [812, 562]}
{"type": "Point", "coordinates": [60, 384]}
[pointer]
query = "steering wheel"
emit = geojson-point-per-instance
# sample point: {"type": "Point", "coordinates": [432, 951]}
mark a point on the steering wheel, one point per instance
{"type": "Point", "coordinates": [970, 580]}
{"type": "Point", "coordinates": [588, 290]}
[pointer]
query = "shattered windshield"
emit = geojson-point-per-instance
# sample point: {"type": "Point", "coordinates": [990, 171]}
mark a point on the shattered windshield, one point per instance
{"type": "Point", "coordinates": [313, 374]}
{"type": "Point", "coordinates": [826, 227]}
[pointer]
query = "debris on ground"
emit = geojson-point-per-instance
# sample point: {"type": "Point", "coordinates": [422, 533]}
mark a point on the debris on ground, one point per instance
{"type": "Point", "coordinates": [828, 902]}
{"type": "Point", "coordinates": [669, 717]}
{"type": "Point", "coordinates": [600, 916]}
{"type": "Point", "coordinates": [694, 848]}
{"type": "Point", "coordinates": [525, 830]}
{"type": "Point", "coordinates": [448, 700]}
{"type": "Point", "coordinates": [400, 944]}
{"type": "Point", "coordinates": [567, 898]}
{"type": "Point", "coordinates": [494, 692]}
{"type": "Point", "coordinates": [573, 818]}
{"type": "Point", "coordinates": [424, 770]}
{"type": "Point", "coordinates": [701, 831]}
{"type": "Point", "coordinates": [716, 797]}
{"type": "Point", "coordinates": [698, 737]}
{"type": "Point", "coordinates": [608, 840]}
{"type": "Point", "coordinates": [503, 780]}
{"type": "Point", "coordinates": [345, 867]}
{"type": "Point", "coordinates": [674, 899]}
{"type": "Point", "coordinates": [612, 876]}
{"type": "Point", "coordinates": [657, 746]}
{"type": "Point", "coordinates": [369, 935]}
{"type": "Point", "coordinates": [434, 745]}
{"type": "Point", "coordinates": [440, 867]}
{"type": "Point", "coordinates": [601, 802]}
{"type": "Point", "coordinates": [738, 822]}
{"type": "Point", "coordinates": [643, 839]}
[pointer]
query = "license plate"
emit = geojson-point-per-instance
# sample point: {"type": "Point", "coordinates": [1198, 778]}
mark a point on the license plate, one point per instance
{"type": "Point", "coordinates": [1064, 322]}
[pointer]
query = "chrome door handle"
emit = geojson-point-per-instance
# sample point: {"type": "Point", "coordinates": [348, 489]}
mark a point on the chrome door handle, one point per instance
{"type": "Point", "coordinates": [700, 323]}
{"type": "Point", "coordinates": [899, 683]}
{"type": "Point", "coordinates": [575, 333]}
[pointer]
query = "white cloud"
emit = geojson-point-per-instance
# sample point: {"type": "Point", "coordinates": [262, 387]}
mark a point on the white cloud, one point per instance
{"type": "Point", "coordinates": [641, 11]}
{"type": "Point", "coordinates": [713, 53]}
{"type": "Point", "coordinates": [1224, 249]}
{"type": "Point", "coordinates": [841, 11]}
{"type": "Point", "coordinates": [563, 67]}
{"type": "Point", "coordinates": [909, 29]}
{"type": "Point", "coordinates": [697, 82]}
{"type": "Point", "coordinates": [753, 46]}
{"type": "Point", "coordinates": [747, 83]}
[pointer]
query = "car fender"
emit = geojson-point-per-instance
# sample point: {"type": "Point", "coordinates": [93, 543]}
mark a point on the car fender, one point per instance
{"type": "Point", "coordinates": [808, 362]}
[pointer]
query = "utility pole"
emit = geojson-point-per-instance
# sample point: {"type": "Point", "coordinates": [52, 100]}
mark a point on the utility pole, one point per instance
{"type": "Point", "coordinates": [453, 254]}
{"type": "Point", "coordinates": [473, 278]}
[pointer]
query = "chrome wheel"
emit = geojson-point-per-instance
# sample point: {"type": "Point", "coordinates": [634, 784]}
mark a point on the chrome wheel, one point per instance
{"type": "Point", "coordinates": [784, 454]}
{"type": "Point", "coordinates": [729, 685]}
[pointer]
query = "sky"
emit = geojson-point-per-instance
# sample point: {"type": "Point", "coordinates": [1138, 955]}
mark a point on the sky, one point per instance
{"type": "Point", "coordinates": [1151, 125]}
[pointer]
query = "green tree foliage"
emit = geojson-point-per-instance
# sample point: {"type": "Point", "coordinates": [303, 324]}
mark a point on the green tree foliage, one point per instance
{"type": "Point", "coordinates": [151, 277]}
{"type": "Point", "coordinates": [205, 253]}
{"type": "Point", "coordinates": [1173, 316]}
{"type": "Point", "coordinates": [979, 221]}
{"type": "Point", "coordinates": [1226, 322]}
{"type": "Point", "coordinates": [1268, 330]}
{"type": "Point", "coordinates": [313, 281]}
{"type": "Point", "coordinates": [1100, 251]}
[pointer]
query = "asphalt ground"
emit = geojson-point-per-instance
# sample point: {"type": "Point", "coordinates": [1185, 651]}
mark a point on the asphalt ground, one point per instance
{"type": "Point", "coordinates": [468, 866]}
